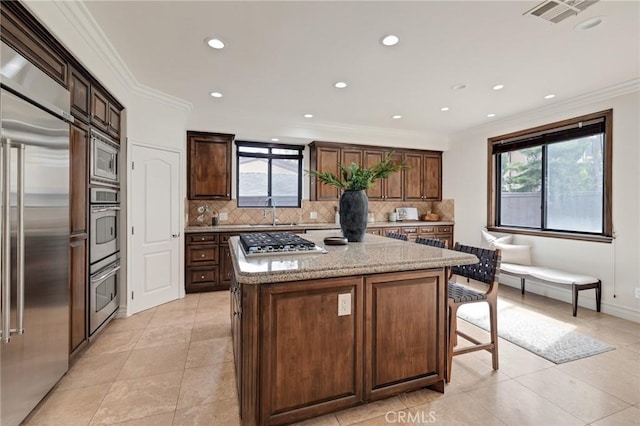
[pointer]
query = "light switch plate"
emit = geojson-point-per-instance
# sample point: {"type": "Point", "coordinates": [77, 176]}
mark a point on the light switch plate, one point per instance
{"type": "Point", "coordinates": [344, 304]}
{"type": "Point", "coordinates": [313, 215]}
{"type": "Point", "coordinates": [223, 216]}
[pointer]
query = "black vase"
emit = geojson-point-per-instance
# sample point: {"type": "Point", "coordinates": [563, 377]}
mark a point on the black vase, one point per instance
{"type": "Point", "coordinates": [354, 206]}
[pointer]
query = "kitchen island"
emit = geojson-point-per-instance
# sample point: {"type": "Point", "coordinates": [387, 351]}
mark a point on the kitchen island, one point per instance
{"type": "Point", "coordinates": [319, 332]}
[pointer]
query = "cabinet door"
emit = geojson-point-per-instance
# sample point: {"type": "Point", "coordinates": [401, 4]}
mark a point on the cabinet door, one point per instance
{"type": "Point", "coordinates": [432, 176]}
{"type": "Point", "coordinates": [114, 122]}
{"type": "Point", "coordinates": [295, 349]}
{"type": "Point", "coordinates": [78, 289]}
{"type": "Point", "coordinates": [327, 161]}
{"type": "Point", "coordinates": [393, 184]}
{"type": "Point", "coordinates": [404, 331]}
{"type": "Point", "coordinates": [80, 91]}
{"type": "Point", "coordinates": [351, 155]}
{"type": "Point", "coordinates": [99, 109]}
{"type": "Point", "coordinates": [371, 158]}
{"type": "Point", "coordinates": [78, 172]}
{"type": "Point", "coordinates": [413, 177]}
{"type": "Point", "coordinates": [226, 265]}
{"type": "Point", "coordinates": [209, 165]}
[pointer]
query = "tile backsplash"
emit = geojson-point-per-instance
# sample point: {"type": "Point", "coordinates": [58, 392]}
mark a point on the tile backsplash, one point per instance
{"type": "Point", "coordinates": [200, 212]}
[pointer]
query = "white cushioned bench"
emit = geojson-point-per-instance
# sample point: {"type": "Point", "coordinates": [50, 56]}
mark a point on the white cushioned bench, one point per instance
{"type": "Point", "coordinates": [555, 276]}
{"type": "Point", "coordinates": [516, 261]}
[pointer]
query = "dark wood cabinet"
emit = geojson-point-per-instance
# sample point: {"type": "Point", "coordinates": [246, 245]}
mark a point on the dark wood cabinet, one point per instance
{"type": "Point", "coordinates": [295, 349]}
{"type": "Point", "coordinates": [404, 332]}
{"type": "Point", "coordinates": [439, 232]}
{"type": "Point", "coordinates": [21, 31]}
{"type": "Point", "coordinates": [105, 114]}
{"type": "Point", "coordinates": [423, 180]}
{"type": "Point", "coordinates": [202, 263]}
{"type": "Point", "coordinates": [384, 189]}
{"type": "Point", "coordinates": [78, 292]}
{"type": "Point", "coordinates": [323, 159]}
{"type": "Point", "coordinates": [78, 177]}
{"type": "Point", "coordinates": [209, 165]}
{"type": "Point", "coordinates": [80, 90]}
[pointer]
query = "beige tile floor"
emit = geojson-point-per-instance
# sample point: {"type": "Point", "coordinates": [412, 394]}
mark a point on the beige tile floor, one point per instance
{"type": "Point", "coordinates": [173, 365]}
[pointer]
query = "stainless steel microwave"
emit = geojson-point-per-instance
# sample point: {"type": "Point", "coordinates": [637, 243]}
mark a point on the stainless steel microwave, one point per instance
{"type": "Point", "coordinates": [105, 158]}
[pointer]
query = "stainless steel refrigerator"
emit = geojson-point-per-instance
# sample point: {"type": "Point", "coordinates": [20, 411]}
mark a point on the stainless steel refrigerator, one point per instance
{"type": "Point", "coordinates": [34, 227]}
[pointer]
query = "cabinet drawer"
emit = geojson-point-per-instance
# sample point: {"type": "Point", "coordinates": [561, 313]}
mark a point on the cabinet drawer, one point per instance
{"type": "Point", "coordinates": [445, 229]}
{"type": "Point", "coordinates": [202, 238]}
{"type": "Point", "coordinates": [427, 230]}
{"type": "Point", "coordinates": [198, 254]}
{"type": "Point", "coordinates": [224, 238]}
{"type": "Point", "coordinates": [202, 275]}
{"type": "Point", "coordinates": [411, 230]}
{"type": "Point", "coordinates": [374, 231]}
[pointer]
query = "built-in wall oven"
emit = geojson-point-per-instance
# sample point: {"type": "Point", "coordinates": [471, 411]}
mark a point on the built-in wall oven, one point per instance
{"type": "Point", "coordinates": [104, 255]}
{"type": "Point", "coordinates": [104, 222]}
{"type": "Point", "coordinates": [105, 159]}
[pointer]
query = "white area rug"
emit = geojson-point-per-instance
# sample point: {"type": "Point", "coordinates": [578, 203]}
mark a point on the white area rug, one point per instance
{"type": "Point", "coordinates": [537, 333]}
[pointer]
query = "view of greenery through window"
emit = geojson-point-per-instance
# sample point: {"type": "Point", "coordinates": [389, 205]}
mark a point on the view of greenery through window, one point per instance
{"type": "Point", "coordinates": [556, 186]}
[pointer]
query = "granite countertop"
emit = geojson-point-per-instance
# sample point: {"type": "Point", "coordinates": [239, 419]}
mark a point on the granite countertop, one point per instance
{"type": "Point", "coordinates": [376, 254]}
{"type": "Point", "coordinates": [302, 226]}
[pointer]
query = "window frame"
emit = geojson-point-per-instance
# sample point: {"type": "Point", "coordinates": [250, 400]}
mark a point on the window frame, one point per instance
{"type": "Point", "coordinates": [547, 129]}
{"type": "Point", "coordinates": [269, 156]}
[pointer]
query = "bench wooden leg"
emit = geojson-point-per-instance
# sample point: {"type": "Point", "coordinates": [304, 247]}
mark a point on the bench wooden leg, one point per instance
{"type": "Point", "coordinates": [598, 295]}
{"type": "Point", "coordinates": [521, 285]}
{"type": "Point", "coordinates": [574, 299]}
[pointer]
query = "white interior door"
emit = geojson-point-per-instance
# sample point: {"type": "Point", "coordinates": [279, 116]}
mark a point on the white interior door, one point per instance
{"type": "Point", "coordinates": [155, 243]}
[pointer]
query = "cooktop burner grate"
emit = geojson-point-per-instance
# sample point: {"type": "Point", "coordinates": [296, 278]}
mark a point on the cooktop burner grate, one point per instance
{"type": "Point", "coordinates": [274, 242]}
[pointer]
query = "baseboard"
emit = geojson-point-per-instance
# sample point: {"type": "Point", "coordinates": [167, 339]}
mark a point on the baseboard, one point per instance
{"type": "Point", "coordinates": [586, 298]}
{"type": "Point", "coordinates": [122, 312]}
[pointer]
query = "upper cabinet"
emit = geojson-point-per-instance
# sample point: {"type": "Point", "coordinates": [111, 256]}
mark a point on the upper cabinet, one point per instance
{"type": "Point", "coordinates": [105, 113]}
{"type": "Point", "coordinates": [324, 158]}
{"type": "Point", "coordinates": [209, 165]}
{"type": "Point", "coordinates": [421, 182]}
{"type": "Point", "coordinates": [80, 90]}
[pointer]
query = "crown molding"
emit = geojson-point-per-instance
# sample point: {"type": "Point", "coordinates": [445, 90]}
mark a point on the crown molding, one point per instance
{"type": "Point", "coordinates": [610, 92]}
{"type": "Point", "coordinates": [79, 16]}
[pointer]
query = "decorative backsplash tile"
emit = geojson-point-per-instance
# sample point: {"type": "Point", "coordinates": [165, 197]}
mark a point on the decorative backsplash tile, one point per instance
{"type": "Point", "coordinates": [201, 212]}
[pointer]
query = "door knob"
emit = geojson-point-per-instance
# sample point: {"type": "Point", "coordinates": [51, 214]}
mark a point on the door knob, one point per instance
{"type": "Point", "coordinates": [175, 235]}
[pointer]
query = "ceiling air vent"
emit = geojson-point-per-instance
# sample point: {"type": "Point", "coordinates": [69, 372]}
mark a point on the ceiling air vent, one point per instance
{"type": "Point", "coordinates": [559, 10]}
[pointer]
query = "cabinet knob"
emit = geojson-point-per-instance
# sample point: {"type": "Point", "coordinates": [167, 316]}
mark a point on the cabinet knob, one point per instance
{"type": "Point", "coordinates": [202, 255]}
{"type": "Point", "coordinates": [202, 239]}
{"type": "Point", "coordinates": [202, 277]}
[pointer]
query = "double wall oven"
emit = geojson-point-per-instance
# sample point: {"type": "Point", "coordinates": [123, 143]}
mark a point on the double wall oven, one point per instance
{"type": "Point", "coordinates": [104, 230]}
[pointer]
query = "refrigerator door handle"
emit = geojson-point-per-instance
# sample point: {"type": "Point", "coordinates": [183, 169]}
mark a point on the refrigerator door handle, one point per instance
{"type": "Point", "coordinates": [20, 241]}
{"type": "Point", "coordinates": [6, 243]}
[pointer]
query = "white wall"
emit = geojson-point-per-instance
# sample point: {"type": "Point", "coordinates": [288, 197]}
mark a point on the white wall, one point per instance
{"type": "Point", "coordinates": [616, 264]}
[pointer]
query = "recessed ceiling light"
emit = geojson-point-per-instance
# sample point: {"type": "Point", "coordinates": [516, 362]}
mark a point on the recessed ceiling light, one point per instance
{"type": "Point", "coordinates": [308, 116]}
{"type": "Point", "coordinates": [491, 115]}
{"type": "Point", "coordinates": [396, 117]}
{"type": "Point", "coordinates": [589, 23]}
{"type": "Point", "coordinates": [550, 96]}
{"type": "Point", "coordinates": [390, 40]}
{"type": "Point", "coordinates": [216, 94]}
{"type": "Point", "coordinates": [275, 139]}
{"type": "Point", "coordinates": [215, 43]}
{"type": "Point", "coordinates": [498, 87]}
{"type": "Point", "coordinates": [444, 109]}
{"type": "Point", "coordinates": [459, 86]}
{"type": "Point", "coordinates": [340, 84]}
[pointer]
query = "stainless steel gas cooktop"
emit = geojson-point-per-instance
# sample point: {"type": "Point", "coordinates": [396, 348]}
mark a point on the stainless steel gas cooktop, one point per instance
{"type": "Point", "coordinates": [257, 243]}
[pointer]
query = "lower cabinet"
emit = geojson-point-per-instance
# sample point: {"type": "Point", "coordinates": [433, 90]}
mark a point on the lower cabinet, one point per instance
{"type": "Point", "coordinates": [201, 269]}
{"type": "Point", "coordinates": [386, 337]}
{"type": "Point", "coordinates": [78, 292]}
{"type": "Point", "coordinates": [440, 232]}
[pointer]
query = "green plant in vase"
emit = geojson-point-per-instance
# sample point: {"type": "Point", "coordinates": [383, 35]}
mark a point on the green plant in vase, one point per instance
{"type": "Point", "coordinates": [354, 203]}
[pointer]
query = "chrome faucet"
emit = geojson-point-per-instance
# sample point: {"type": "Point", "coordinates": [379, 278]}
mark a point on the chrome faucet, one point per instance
{"type": "Point", "coordinates": [273, 209]}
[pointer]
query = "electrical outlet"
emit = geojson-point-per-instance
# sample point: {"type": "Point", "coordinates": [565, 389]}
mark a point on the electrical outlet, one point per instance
{"type": "Point", "coordinates": [313, 215]}
{"type": "Point", "coordinates": [223, 216]}
{"type": "Point", "coordinates": [638, 293]}
{"type": "Point", "coordinates": [344, 304]}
